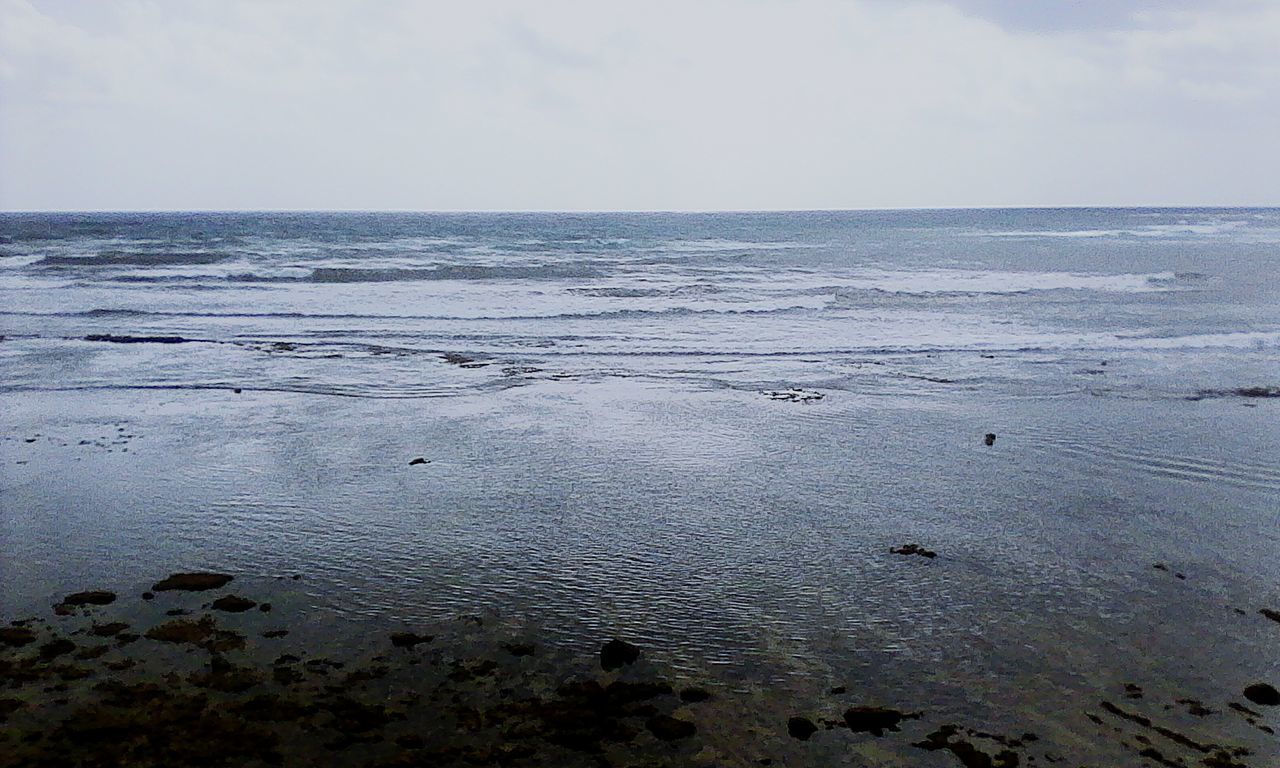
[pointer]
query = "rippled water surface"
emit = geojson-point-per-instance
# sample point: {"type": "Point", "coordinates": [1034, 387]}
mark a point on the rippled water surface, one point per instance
{"type": "Point", "coordinates": [592, 394]}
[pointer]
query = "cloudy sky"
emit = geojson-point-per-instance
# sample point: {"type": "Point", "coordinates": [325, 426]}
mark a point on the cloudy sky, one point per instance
{"type": "Point", "coordinates": [749, 104]}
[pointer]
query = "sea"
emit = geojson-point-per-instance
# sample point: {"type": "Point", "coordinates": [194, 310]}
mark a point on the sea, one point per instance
{"type": "Point", "coordinates": [704, 432]}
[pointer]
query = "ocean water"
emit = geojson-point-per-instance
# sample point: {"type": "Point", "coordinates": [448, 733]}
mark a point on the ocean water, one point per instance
{"type": "Point", "coordinates": [701, 431]}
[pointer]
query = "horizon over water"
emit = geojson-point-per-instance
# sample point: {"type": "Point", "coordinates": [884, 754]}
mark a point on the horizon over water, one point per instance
{"type": "Point", "coordinates": [700, 431]}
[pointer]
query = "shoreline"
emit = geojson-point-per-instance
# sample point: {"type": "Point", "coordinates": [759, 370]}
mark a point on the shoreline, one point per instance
{"type": "Point", "coordinates": [225, 670]}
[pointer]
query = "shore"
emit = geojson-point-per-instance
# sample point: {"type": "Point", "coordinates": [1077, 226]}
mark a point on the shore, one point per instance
{"type": "Point", "coordinates": [215, 669]}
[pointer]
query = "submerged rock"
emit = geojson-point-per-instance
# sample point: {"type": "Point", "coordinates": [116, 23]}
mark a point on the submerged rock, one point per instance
{"type": "Point", "coordinates": [233, 604]}
{"type": "Point", "coordinates": [969, 756]}
{"type": "Point", "coordinates": [670, 728]}
{"type": "Point", "coordinates": [617, 653]}
{"type": "Point", "coordinates": [192, 582]}
{"type": "Point", "coordinates": [96, 597]}
{"type": "Point", "coordinates": [874, 720]}
{"type": "Point", "coordinates": [16, 636]}
{"type": "Point", "coordinates": [409, 639]}
{"type": "Point", "coordinates": [203, 633]}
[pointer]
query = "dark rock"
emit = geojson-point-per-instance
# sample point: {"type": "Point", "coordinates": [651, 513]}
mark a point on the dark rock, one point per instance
{"type": "Point", "coordinates": [114, 339]}
{"type": "Point", "coordinates": [793, 395]}
{"type": "Point", "coordinates": [694, 695]}
{"type": "Point", "coordinates": [1258, 392]}
{"type": "Point", "coordinates": [265, 607]}
{"type": "Point", "coordinates": [875, 720]}
{"type": "Point", "coordinates": [617, 653]}
{"type": "Point", "coordinates": [203, 633]}
{"type": "Point", "coordinates": [148, 596]}
{"type": "Point", "coordinates": [16, 636]}
{"type": "Point", "coordinates": [192, 582]}
{"type": "Point", "coordinates": [839, 689]}
{"type": "Point", "coordinates": [418, 461]}
{"type": "Point", "coordinates": [801, 728]}
{"type": "Point", "coordinates": [92, 652]}
{"type": "Point", "coordinates": [914, 549]}
{"type": "Point", "coordinates": [668, 728]}
{"type": "Point", "coordinates": [968, 755]}
{"type": "Point", "coordinates": [109, 630]}
{"type": "Point", "coordinates": [990, 439]}
{"type": "Point", "coordinates": [409, 639]}
{"type": "Point", "coordinates": [90, 598]}
{"type": "Point", "coordinates": [56, 647]}
{"type": "Point", "coordinates": [1270, 614]}
{"type": "Point", "coordinates": [621, 693]}
{"type": "Point", "coordinates": [1264, 694]}
{"type": "Point", "coordinates": [233, 604]}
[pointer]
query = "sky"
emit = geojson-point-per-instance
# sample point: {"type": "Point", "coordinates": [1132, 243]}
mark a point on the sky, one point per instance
{"type": "Point", "coordinates": [653, 105]}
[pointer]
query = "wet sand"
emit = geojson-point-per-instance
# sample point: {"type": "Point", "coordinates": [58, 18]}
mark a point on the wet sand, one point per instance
{"type": "Point", "coordinates": [214, 669]}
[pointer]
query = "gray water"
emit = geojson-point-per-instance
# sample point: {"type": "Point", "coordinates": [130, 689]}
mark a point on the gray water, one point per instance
{"type": "Point", "coordinates": [592, 394]}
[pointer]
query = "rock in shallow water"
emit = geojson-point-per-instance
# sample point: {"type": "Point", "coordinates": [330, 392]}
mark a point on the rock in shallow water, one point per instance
{"type": "Point", "coordinates": [95, 597]}
{"type": "Point", "coordinates": [233, 604]}
{"type": "Point", "coordinates": [617, 653]}
{"type": "Point", "coordinates": [801, 728]}
{"type": "Point", "coordinates": [874, 720]}
{"type": "Point", "coordinates": [914, 549]}
{"type": "Point", "coordinates": [670, 728]}
{"type": "Point", "coordinates": [16, 636]}
{"type": "Point", "coordinates": [192, 582]}
{"type": "Point", "coordinates": [1262, 693]}
{"type": "Point", "coordinates": [408, 639]}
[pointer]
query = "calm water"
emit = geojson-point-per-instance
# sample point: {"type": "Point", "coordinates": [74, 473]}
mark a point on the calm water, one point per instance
{"type": "Point", "coordinates": [590, 391]}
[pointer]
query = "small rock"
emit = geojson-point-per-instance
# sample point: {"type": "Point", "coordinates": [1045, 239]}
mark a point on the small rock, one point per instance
{"type": "Point", "coordinates": [617, 653]}
{"type": "Point", "coordinates": [418, 461]}
{"type": "Point", "coordinates": [801, 728]}
{"type": "Point", "coordinates": [233, 604]}
{"type": "Point", "coordinates": [148, 596]}
{"type": "Point", "coordinates": [96, 597]}
{"type": "Point", "coordinates": [265, 607]}
{"type": "Point", "coordinates": [875, 720]}
{"type": "Point", "coordinates": [16, 636]}
{"type": "Point", "coordinates": [839, 689]}
{"type": "Point", "coordinates": [990, 439]}
{"type": "Point", "coordinates": [192, 582]}
{"type": "Point", "coordinates": [409, 639]}
{"type": "Point", "coordinates": [109, 630]}
{"type": "Point", "coordinates": [914, 549]}
{"type": "Point", "coordinates": [1262, 693]}
{"type": "Point", "coordinates": [668, 728]}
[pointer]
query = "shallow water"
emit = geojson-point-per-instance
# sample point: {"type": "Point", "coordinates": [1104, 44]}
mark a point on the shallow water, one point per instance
{"type": "Point", "coordinates": [588, 391]}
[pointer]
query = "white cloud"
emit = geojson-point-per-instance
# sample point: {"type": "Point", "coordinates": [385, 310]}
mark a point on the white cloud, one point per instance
{"type": "Point", "coordinates": [752, 104]}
